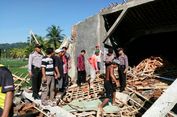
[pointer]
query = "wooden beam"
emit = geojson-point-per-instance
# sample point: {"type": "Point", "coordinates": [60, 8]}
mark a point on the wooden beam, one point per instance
{"type": "Point", "coordinates": [37, 42]}
{"type": "Point", "coordinates": [116, 23]}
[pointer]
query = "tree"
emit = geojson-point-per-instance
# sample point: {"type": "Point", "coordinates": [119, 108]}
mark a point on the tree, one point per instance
{"type": "Point", "coordinates": [55, 35]}
{"type": "Point", "coordinates": [18, 52]}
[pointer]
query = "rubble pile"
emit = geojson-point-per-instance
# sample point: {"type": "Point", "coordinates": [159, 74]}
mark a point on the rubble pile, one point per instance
{"type": "Point", "coordinates": [143, 88]}
{"type": "Point", "coordinates": [20, 81]}
{"type": "Point", "coordinates": [141, 78]}
{"type": "Point", "coordinates": [25, 109]}
{"type": "Point", "coordinates": [146, 68]}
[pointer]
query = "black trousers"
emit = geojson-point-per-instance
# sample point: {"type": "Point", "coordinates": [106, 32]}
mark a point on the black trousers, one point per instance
{"type": "Point", "coordinates": [36, 81]}
{"type": "Point", "coordinates": [81, 77]}
{"type": "Point", "coordinates": [98, 65]}
{"type": "Point", "coordinates": [110, 88]}
{"type": "Point", "coordinates": [65, 81]}
{"type": "Point", "coordinates": [122, 77]}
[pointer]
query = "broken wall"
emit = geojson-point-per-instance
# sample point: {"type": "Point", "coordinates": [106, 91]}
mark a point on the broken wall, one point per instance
{"type": "Point", "coordinates": [88, 34]}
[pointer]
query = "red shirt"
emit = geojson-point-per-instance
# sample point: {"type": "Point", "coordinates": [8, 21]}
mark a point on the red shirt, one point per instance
{"type": "Point", "coordinates": [81, 63]}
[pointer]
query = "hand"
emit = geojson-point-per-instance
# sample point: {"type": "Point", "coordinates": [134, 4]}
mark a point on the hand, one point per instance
{"type": "Point", "coordinates": [125, 71]}
{"type": "Point", "coordinates": [117, 84]}
{"type": "Point", "coordinates": [69, 67]}
{"type": "Point", "coordinates": [56, 76]}
{"type": "Point", "coordinates": [30, 74]}
{"type": "Point", "coordinates": [44, 79]}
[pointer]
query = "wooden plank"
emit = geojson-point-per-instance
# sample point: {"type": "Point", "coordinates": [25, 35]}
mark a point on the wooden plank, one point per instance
{"type": "Point", "coordinates": [116, 23]}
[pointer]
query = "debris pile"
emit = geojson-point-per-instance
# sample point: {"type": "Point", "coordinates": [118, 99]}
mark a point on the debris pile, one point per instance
{"type": "Point", "coordinates": [20, 81]}
{"type": "Point", "coordinates": [143, 88]}
{"type": "Point", "coordinates": [25, 109]}
{"type": "Point", "coordinates": [146, 68]}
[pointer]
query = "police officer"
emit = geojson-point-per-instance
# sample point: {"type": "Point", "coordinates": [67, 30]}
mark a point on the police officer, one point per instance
{"type": "Point", "coordinates": [122, 68]}
{"type": "Point", "coordinates": [6, 92]}
{"type": "Point", "coordinates": [34, 69]}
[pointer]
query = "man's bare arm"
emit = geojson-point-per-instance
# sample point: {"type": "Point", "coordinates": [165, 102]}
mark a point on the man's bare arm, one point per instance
{"type": "Point", "coordinates": [57, 72]}
{"type": "Point", "coordinates": [113, 76]}
{"type": "Point", "coordinates": [43, 74]}
{"type": "Point", "coordinates": [7, 103]}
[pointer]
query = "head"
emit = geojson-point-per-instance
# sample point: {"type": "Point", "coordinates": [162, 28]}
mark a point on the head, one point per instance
{"type": "Point", "coordinates": [115, 63]}
{"type": "Point", "coordinates": [60, 52]}
{"type": "Point", "coordinates": [110, 51]}
{"type": "Point", "coordinates": [97, 52]}
{"type": "Point", "coordinates": [38, 48]}
{"type": "Point", "coordinates": [83, 52]}
{"type": "Point", "coordinates": [64, 49]}
{"type": "Point", "coordinates": [120, 51]}
{"type": "Point", "coordinates": [49, 51]}
{"type": "Point", "coordinates": [97, 47]}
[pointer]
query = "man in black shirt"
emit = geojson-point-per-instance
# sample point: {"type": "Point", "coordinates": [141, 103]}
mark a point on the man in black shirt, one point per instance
{"type": "Point", "coordinates": [59, 63]}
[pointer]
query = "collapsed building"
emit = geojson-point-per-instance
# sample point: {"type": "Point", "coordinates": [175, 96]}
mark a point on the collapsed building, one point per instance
{"type": "Point", "coordinates": [144, 28]}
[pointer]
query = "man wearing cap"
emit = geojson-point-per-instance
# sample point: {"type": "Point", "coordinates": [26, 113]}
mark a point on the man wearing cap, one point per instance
{"type": "Point", "coordinates": [59, 63]}
{"type": "Point", "coordinates": [110, 84]}
{"type": "Point", "coordinates": [34, 69]}
{"type": "Point", "coordinates": [6, 92]}
{"type": "Point", "coordinates": [98, 54]}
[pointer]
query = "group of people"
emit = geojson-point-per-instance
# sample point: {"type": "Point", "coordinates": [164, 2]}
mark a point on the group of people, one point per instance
{"type": "Point", "coordinates": [95, 65]}
{"type": "Point", "coordinates": [49, 72]}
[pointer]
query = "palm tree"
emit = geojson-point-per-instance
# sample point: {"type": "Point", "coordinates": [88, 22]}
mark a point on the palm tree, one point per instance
{"type": "Point", "coordinates": [54, 35]}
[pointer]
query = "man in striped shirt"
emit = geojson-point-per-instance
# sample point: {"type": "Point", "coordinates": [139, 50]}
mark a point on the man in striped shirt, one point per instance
{"type": "Point", "coordinates": [48, 72]}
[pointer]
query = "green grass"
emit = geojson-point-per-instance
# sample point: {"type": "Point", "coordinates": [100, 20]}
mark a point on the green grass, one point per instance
{"type": "Point", "coordinates": [17, 66]}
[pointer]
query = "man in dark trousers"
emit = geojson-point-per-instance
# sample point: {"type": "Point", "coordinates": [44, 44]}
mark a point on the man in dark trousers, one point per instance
{"type": "Point", "coordinates": [122, 68]}
{"type": "Point", "coordinates": [81, 68]}
{"type": "Point", "coordinates": [6, 92]}
{"type": "Point", "coordinates": [59, 64]}
{"type": "Point", "coordinates": [34, 69]}
{"type": "Point", "coordinates": [66, 67]}
{"type": "Point", "coordinates": [110, 84]}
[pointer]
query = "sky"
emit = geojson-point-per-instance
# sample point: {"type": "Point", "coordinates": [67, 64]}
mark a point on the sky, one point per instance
{"type": "Point", "coordinates": [18, 17]}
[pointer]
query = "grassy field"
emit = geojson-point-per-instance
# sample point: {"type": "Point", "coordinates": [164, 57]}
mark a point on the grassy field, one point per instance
{"type": "Point", "coordinates": [17, 66]}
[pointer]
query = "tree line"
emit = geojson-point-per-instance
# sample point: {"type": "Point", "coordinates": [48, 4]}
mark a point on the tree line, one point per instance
{"type": "Point", "coordinates": [53, 38]}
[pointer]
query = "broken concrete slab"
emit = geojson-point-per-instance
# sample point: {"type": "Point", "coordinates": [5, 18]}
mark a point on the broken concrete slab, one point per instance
{"type": "Point", "coordinates": [164, 103]}
{"type": "Point", "coordinates": [56, 110]}
{"type": "Point", "coordinates": [122, 97]}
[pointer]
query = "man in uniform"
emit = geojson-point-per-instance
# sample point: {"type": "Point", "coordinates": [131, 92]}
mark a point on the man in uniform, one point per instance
{"type": "Point", "coordinates": [122, 68]}
{"type": "Point", "coordinates": [34, 69]}
{"type": "Point", "coordinates": [6, 92]}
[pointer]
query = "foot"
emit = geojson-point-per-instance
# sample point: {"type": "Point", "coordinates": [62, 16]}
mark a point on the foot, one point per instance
{"type": "Point", "coordinates": [35, 96]}
{"type": "Point", "coordinates": [101, 109]}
